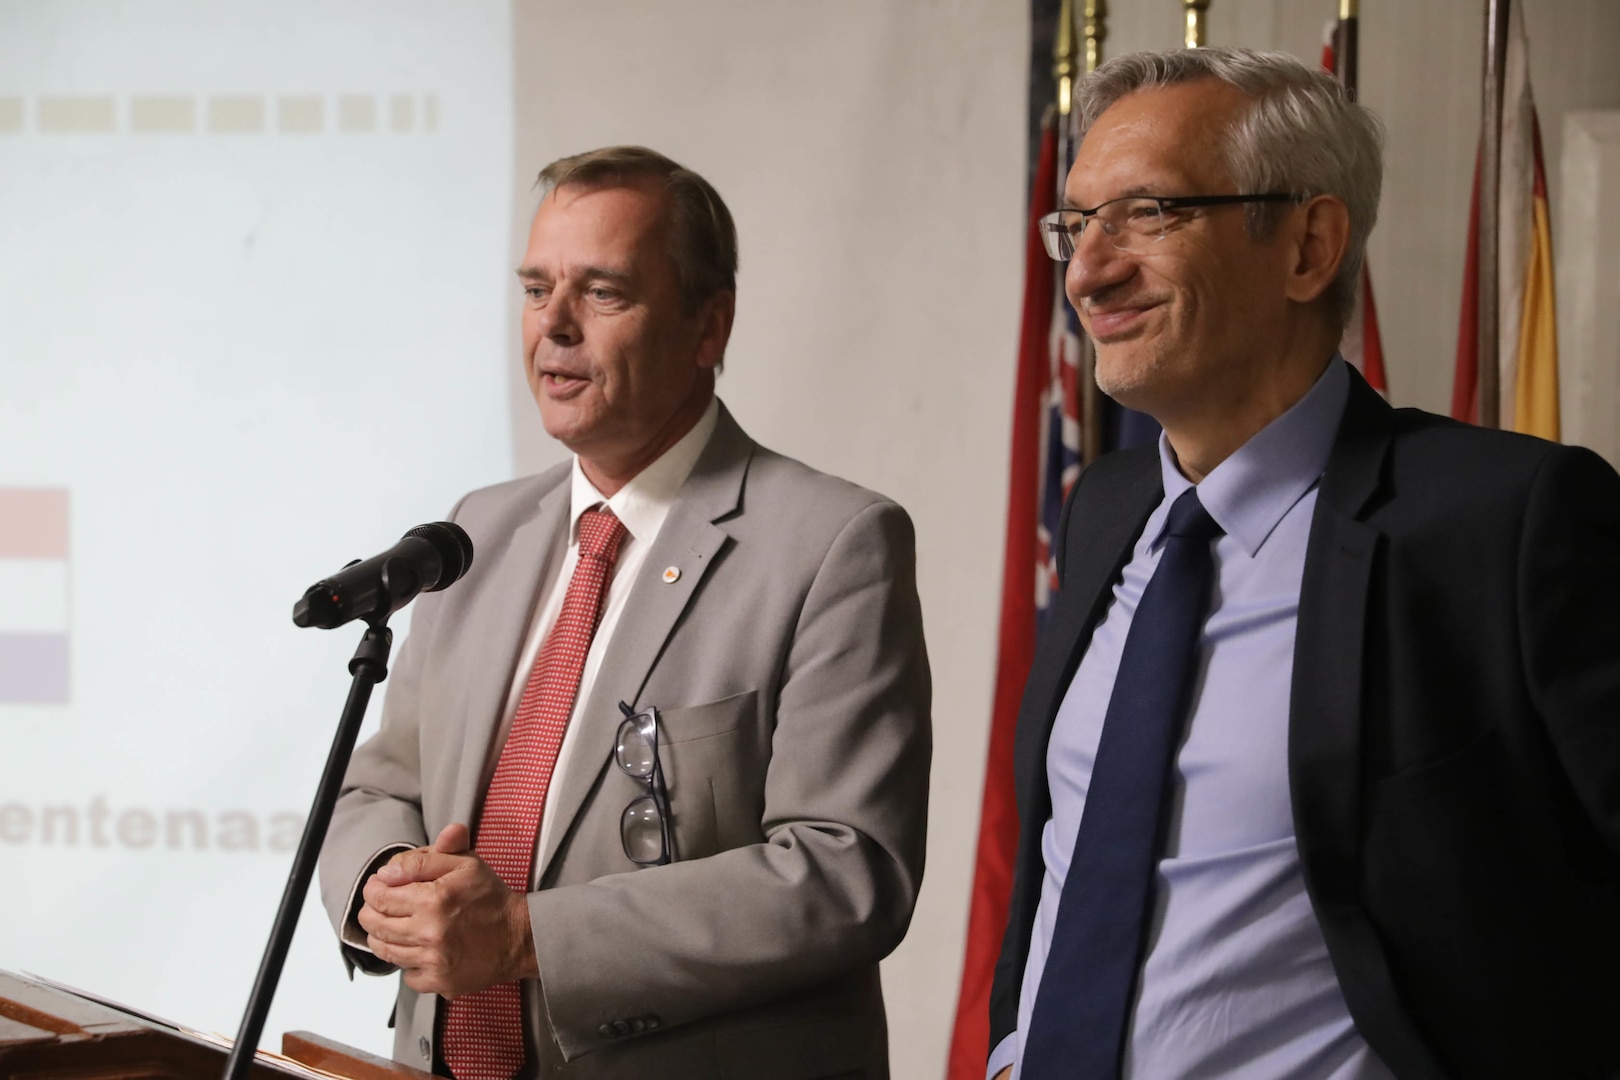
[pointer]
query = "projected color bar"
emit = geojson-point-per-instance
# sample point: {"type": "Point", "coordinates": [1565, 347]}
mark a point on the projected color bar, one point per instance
{"type": "Point", "coordinates": [221, 114]}
{"type": "Point", "coordinates": [33, 596]}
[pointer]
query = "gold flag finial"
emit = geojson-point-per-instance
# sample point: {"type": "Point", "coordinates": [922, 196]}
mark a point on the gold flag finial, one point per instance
{"type": "Point", "coordinates": [1195, 22]}
{"type": "Point", "coordinates": [1096, 29]}
{"type": "Point", "coordinates": [1065, 58]}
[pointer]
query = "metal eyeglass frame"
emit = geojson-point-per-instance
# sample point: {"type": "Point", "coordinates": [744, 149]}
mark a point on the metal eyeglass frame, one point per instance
{"type": "Point", "coordinates": [643, 725]}
{"type": "Point", "coordinates": [1054, 233]}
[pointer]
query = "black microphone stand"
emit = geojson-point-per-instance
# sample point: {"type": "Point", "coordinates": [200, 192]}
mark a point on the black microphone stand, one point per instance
{"type": "Point", "coordinates": [369, 667]}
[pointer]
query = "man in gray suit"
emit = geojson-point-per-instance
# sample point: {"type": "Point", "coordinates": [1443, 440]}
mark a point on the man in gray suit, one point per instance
{"type": "Point", "coordinates": [665, 822]}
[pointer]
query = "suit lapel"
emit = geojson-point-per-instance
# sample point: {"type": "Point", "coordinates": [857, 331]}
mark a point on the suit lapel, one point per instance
{"type": "Point", "coordinates": [530, 560]}
{"type": "Point", "coordinates": [1098, 544]}
{"type": "Point", "coordinates": [1326, 729]}
{"type": "Point", "coordinates": [688, 541]}
{"type": "Point", "coordinates": [1107, 516]}
{"type": "Point", "coordinates": [1104, 516]}
{"type": "Point", "coordinates": [1325, 724]}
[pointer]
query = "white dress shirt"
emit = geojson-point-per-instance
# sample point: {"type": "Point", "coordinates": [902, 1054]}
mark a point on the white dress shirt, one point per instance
{"type": "Point", "coordinates": [642, 505]}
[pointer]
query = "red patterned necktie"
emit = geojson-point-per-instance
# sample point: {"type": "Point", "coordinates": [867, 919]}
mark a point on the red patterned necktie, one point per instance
{"type": "Point", "coordinates": [483, 1032]}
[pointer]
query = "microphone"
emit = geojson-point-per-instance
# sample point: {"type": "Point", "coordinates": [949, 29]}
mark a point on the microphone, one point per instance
{"type": "Point", "coordinates": [426, 559]}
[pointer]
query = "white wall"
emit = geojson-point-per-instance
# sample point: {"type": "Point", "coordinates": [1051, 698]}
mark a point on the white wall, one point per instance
{"type": "Point", "coordinates": [1589, 280]}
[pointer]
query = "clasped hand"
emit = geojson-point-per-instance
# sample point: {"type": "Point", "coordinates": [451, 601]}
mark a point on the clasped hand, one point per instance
{"type": "Point", "coordinates": [442, 915]}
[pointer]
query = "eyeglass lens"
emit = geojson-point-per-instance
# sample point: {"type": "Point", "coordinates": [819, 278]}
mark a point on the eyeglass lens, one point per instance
{"type": "Point", "coordinates": [636, 747]}
{"type": "Point", "coordinates": [642, 831]}
{"type": "Point", "coordinates": [1128, 223]}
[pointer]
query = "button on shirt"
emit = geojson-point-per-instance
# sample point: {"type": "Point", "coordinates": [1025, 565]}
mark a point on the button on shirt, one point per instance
{"type": "Point", "coordinates": [1236, 980]}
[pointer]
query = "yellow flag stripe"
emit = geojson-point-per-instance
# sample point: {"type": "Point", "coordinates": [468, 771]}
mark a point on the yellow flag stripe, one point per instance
{"type": "Point", "coordinates": [1535, 409]}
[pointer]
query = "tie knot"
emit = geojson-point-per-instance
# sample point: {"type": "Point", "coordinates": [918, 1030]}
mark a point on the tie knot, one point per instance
{"type": "Point", "coordinates": [600, 534]}
{"type": "Point", "coordinates": [1189, 519]}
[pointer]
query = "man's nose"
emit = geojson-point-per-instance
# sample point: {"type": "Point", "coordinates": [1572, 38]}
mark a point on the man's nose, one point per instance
{"type": "Point", "coordinates": [1095, 265]}
{"type": "Point", "coordinates": [558, 321]}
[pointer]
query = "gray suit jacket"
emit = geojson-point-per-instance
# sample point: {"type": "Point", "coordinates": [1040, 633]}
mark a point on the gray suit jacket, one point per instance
{"type": "Point", "coordinates": [788, 667]}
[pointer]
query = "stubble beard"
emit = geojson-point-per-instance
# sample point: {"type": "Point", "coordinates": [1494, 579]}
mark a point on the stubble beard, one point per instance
{"type": "Point", "coordinates": [1128, 372]}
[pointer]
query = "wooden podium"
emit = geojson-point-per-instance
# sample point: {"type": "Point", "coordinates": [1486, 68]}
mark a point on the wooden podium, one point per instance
{"type": "Point", "coordinates": [47, 1033]}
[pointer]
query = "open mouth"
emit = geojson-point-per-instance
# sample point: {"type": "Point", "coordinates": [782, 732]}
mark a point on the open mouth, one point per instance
{"type": "Point", "coordinates": [562, 383]}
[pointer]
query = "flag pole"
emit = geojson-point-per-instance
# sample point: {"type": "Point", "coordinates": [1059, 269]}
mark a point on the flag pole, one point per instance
{"type": "Point", "coordinates": [1065, 58]}
{"type": "Point", "coordinates": [1095, 29]}
{"type": "Point", "coordinates": [1490, 173]}
{"type": "Point", "coordinates": [1065, 69]}
{"type": "Point", "coordinates": [1346, 45]}
{"type": "Point", "coordinates": [1195, 22]}
{"type": "Point", "coordinates": [1091, 403]}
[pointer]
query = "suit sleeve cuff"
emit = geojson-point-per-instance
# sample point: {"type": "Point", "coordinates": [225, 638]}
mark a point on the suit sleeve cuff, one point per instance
{"type": "Point", "coordinates": [352, 937]}
{"type": "Point", "coordinates": [1002, 1056]}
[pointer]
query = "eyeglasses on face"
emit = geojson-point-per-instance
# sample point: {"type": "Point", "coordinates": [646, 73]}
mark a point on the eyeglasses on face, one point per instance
{"type": "Point", "coordinates": [644, 825]}
{"type": "Point", "coordinates": [1133, 222]}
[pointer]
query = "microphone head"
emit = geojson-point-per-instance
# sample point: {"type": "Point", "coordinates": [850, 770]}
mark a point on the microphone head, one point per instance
{"type": "Point", "coordinates": [454, 548]}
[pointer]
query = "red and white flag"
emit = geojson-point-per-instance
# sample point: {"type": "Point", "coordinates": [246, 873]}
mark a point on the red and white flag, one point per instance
{"type": "Point", "coordinates": [33, 596]}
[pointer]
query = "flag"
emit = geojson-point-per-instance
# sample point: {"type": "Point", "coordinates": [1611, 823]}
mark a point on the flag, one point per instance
{"type": "Point", "coordinates": [33, 596]}
{"type": "Point", "coordinates": [1527, 337]}
{"type": "Point", "coordinates": [1044, 462]}
{"type": "Point", "coordinates": [1361, 343]}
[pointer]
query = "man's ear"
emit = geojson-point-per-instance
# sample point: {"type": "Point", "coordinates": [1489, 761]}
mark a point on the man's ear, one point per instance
{"type": "Point", "coordinates": [716, 316]}
{"type": "Point", "coordinates": [1318, 234]}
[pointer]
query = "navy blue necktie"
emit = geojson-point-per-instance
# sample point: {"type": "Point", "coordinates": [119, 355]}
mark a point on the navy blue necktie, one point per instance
{"type": "Point", "coordinates": [1077, 1030]}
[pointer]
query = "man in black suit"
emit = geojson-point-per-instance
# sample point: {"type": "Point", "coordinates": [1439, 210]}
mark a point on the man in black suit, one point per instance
{"type": "Point", "coordinates": [1387, 838]}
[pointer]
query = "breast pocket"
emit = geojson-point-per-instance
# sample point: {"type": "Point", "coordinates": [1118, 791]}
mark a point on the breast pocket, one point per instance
{"type": "Point", "coordinates": [705, 721]}
{"type": "Point", "coordinates": [1436, 839]}
{"type": "Point", "coordinates": [1461, 777]}
{"type": "Point", "coordinates": [714, 760]}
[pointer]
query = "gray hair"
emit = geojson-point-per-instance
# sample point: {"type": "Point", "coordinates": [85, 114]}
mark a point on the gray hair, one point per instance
{"type": "Point", "coordinates": [703, 235]}
{"type": "Point", "coordinates": [1303, 134]}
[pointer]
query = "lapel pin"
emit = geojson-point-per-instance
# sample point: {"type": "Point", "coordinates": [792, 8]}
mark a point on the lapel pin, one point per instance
{"type": "Point", "coordinates": [672, 574]}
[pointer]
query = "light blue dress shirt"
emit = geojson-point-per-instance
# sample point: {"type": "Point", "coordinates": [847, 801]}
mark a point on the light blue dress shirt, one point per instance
{"type": "Point", "coordinates": [1237, 981]}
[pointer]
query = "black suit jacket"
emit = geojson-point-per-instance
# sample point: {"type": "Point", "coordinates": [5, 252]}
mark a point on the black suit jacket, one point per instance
{"type": "Point", "coordinates": [1454, 736]}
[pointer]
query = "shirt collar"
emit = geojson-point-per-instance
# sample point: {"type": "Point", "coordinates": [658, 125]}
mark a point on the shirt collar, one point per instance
{"type": "Point", "coordinates": [1249, 492]}
{"type": "Point", "coordinates": [643, 503]}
